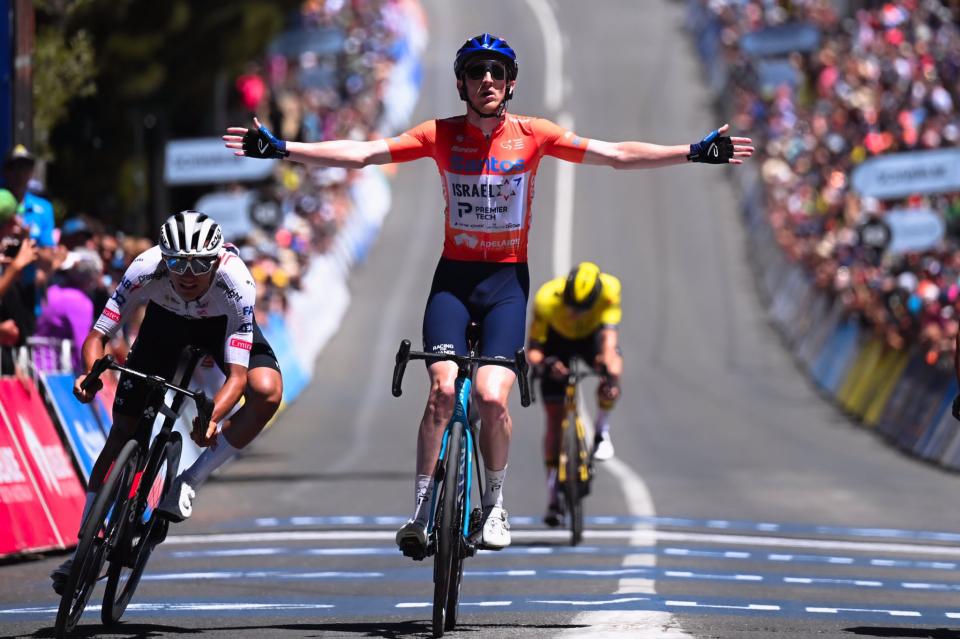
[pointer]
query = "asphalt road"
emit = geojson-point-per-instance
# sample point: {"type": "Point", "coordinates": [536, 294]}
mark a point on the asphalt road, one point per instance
{"type": "Point", "coordinates": [739, 504]}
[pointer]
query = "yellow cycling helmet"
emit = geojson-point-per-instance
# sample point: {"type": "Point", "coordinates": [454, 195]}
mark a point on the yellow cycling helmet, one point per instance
{"type": "Point", "coordinates": [583, 286]}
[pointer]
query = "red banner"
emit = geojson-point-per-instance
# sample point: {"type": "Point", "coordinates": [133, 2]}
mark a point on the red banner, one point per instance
{"type": "Point", "coordinates": [25, 523]}
{"type": "Point", "coordinates": [22, 408]}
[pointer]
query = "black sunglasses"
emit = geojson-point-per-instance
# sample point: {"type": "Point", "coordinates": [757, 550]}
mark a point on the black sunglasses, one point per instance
{"type": "Point", "coordinates": [477, 70]}
{"type": "Point", "coordinates": [197, 265]}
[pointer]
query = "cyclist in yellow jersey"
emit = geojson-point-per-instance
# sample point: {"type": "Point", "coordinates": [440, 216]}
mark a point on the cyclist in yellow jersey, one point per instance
{"type": "Point", "coordinates": [577, 314]}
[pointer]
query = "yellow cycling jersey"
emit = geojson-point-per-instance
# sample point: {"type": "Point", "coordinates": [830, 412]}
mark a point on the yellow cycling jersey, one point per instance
{"type": "Point", "coordinates": [549, 311]}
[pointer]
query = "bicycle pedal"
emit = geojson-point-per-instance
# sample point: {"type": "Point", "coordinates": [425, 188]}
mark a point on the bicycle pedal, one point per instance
{"type": "Point", "coordinates": [413, 550]}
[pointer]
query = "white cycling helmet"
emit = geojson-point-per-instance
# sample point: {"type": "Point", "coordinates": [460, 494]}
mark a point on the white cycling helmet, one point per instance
{"type": "Point", "coordinates": [190, 234]}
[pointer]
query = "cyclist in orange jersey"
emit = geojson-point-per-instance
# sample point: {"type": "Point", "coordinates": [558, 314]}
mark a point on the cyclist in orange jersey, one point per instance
{"type": "Point", "coordinates": [487, 160]}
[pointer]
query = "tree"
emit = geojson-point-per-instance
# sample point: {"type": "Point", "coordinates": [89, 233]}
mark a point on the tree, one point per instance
{"type": "Point", "coordinates": [155, 68]}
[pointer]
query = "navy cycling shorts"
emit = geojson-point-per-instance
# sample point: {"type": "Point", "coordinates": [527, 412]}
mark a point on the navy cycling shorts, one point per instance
{"type": "Point", "coordinates": [494, 295]}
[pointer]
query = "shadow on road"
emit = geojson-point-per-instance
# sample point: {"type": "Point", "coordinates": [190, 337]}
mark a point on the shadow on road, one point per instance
{"type": "Point", "coordinates": [924, 633]}
{"type": "Point", "coordinates": [258, 477]}
{"type": "Point", "coordinates": [387, 630]}
{"type": "Point", "coordinates": [123, 630]}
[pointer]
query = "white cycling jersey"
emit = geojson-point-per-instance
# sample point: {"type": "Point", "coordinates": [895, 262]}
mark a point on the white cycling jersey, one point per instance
{"type": "Point", "coordinates": [232, 294]}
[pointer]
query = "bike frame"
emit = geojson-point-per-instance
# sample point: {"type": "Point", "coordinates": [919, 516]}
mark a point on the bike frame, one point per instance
{"type": "Point", "coordinates": [571, 408]}
{"type": "Point", "coordinates": [464, 386]}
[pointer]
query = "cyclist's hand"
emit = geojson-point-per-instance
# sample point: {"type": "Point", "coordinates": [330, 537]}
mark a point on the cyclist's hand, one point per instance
{"type": "Point", "coordinates": [201, 436]}
{"type": "Point", "coordinates": [609, 389]}
{"type": "Point", "coordinates": [557, 369]}
{"type": "Point", "coordinates": [258, 142]}
{"type": "Point", "coordinates": [85, 397]}
{"type": "Point", "coordinates": [956, 407]}
{"type": "Point", "coordinates": [716, 148]}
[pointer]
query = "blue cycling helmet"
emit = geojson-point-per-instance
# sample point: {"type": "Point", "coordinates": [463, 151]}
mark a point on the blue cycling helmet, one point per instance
{"type": "Point", "coordinates": [485, 45]}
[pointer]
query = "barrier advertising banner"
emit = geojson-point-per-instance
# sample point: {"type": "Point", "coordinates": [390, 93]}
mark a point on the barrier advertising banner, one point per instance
{"type": "Point", "coordinates": [898, 175]}
{"type": "Point", "coordinates": [25, 523]}
{"type": "Point", "coordinates": [78, 421]}
{"type": "Point", "coordinates": [22, 409]}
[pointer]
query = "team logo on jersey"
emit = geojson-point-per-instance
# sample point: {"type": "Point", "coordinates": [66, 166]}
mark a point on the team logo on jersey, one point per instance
{"type": "Point", "coordinates": [240, 343]}
{"type": "Point", "coordinates": [465, 239]}
{"type": "Point", "coordinates": [489, 164]}
{"type": "Point", "coordinates": [512, 145]}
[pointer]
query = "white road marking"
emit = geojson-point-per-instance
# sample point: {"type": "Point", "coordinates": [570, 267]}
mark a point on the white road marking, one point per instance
{"type": "Point", "coordinates": [262, 574]}
{"type": "Point", "coordinates": [592, 602]}
{"type": "Point", "coordinates": [563, 210]}
{"type": "Point", "coordinates": [892, 613]}
{"type": "Point", "coordinates": [553, 53]}
{"type": "Point", "coordinates": [637, 537]}
{"type": "Point", "coordinates": [694, 604]}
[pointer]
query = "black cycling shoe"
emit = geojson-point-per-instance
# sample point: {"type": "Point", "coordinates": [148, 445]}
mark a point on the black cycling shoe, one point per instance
{"type": "Point", "coordinates": [554, 515]}
{"type": "Point", "coordinates": [60, 575]}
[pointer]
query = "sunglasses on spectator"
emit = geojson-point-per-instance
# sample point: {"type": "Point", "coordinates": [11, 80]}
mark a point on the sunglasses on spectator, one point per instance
{"type": "Point", "coordinates": [477, 70]}
{"type": "Point", "coordinates": [197, 265]}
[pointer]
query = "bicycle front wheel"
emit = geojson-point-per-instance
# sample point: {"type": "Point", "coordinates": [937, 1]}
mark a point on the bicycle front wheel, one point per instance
{"type": "Point", "coordinates": [145, 531]}
{"type": "Point", "coordinates": [448, 562]}
{"type": "Point", "coordinates": [98, 534]}
{"type": "Point", "coordinates": [571, 485]}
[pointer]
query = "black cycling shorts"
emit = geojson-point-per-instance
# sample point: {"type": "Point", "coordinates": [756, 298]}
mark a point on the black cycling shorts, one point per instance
{"type": "Point", "coordinates": [493, 295]}
{"type": "Point", "coordinates": [587, 349]}
{"type": "Point", "coordinates": [160, 343]}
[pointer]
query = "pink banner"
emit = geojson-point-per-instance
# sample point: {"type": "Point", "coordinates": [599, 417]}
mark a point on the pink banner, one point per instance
{"type": "Point", "coordinates": [61, 492]}
{"type": "Point", "coordinates": [25, 523]}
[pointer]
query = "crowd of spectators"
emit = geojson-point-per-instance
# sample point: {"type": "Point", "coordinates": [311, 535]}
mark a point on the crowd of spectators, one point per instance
{"type": "Point", "coordinates": [883, 79]}
{"type": "Point", "coordinates": [323, 78]}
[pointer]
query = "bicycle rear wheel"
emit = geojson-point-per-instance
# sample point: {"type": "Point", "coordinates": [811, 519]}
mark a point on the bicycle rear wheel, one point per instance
{"type": "Point", "coordinates": [571, 485]}
{"type": "Point", "coordinates": [98, 534]}
{"type": "Point", "coordinates": [145, 531]}
{"type": "Point", "coordinates": [448, 562]}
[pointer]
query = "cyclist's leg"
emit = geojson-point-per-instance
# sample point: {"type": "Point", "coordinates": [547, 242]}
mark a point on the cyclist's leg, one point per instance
{"type": "Point", "coordinates": [503, 296]}
{"type": "Point", "coordinates": [261, 400]}
{"type": "Point", "coordinates": [607, 354]}
{"type": "Point", "coordinates": [551, 392]}
{"type": "Point", "coordinates": [445, 322]}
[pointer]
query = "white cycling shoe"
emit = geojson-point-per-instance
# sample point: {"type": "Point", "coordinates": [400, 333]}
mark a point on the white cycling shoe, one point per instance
{"type": "Point", "coordinates": [603, 448]}
{"type": "Point", "coordinates": [178, 504]}
{"type": "Point", "coordinates": [412, 539]}
{"type": "Point", "coordinates": [496, 529]}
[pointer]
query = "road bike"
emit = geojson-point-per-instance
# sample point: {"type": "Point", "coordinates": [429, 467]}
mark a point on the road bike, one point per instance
{"type": "Point", "coordinates": [454, 529]}
{"type": "Point", "coordinates": [123, 526]}
{"type": "Point", "coordinates": [575, 463]}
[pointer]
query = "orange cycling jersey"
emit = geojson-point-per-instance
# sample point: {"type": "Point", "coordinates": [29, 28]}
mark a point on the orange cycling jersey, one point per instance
{"type": "Point", "coordinates": [487, 183]}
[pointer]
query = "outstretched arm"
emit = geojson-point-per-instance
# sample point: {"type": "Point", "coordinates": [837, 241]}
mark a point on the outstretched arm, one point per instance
{"type": "Point", "coordinates": [715, 148]}
{"type": "Point", "coordinates": [349, 154]}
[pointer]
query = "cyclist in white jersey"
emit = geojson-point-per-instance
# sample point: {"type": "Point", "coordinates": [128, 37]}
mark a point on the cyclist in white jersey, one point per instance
{"type": "Point", "coordinates": [198, 292]}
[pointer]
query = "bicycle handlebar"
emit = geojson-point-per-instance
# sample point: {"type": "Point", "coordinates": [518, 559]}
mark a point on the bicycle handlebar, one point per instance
{"type": "Point", "coordinates": [519, 365]}
{"type": "Point", "coordinates": [572, 377]}
{"type": "Point", "coordinates": [92, 383]}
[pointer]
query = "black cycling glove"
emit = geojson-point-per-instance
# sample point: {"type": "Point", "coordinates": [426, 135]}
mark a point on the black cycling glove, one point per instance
{"type": "Point", "coordinates": [956, 407]}
{"type": "Point", "coordinates": [712, 149]}
{"type": "Point", "coordinates": [261, 143]}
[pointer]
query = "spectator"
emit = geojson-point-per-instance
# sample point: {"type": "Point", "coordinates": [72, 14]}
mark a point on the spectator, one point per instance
{"type": "Point", "coordinates": [17, 316]}
{"type": "Point", "coordinates": [36, 211]}
{"type": "Point", "coordinates": [68, 311]}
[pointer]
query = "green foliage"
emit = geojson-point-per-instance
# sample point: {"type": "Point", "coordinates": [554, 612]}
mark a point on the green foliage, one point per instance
{"type": "Point", "coordinates": [63, 71]}
{"type": "Point", "coordinates": [155, 66]}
